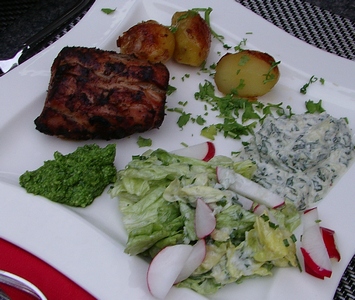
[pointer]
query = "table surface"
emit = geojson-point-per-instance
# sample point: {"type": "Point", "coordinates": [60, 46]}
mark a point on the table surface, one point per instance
{"type": "Point", "coordinates": [343, 8]}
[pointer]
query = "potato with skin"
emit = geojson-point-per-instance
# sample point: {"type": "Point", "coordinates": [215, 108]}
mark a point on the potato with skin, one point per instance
{"type": "Point", "coordinates": [148, 40]}
{"type": "Point", "coordinates": [192, 38]}
{"type": "Point", "coordinates": [248, 73]}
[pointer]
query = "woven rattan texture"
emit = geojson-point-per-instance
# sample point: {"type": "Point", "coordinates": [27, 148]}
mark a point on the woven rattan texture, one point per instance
{"type": "Point", "coordinates": [20, 19]}
{"type": "Point", "coordinates": [309, 23]}
{"type": "Point", "coordinates": [346, 288]}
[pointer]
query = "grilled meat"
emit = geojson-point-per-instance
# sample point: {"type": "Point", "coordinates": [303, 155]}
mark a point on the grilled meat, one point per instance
{"type": "Point", "coordinates": [102, 94]}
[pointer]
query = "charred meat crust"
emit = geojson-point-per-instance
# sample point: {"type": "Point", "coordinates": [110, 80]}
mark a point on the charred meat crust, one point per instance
{"type": "Point", "coordinates": [97, 94]}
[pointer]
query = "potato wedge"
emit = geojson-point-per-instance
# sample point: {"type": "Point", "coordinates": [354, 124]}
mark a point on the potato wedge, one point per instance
{"type": "Point", "coordinates": [248, 73]}
{"type": "Point", "coordinates": [192, 38]}
{"type": "Point", "coordinates": [148, 40]}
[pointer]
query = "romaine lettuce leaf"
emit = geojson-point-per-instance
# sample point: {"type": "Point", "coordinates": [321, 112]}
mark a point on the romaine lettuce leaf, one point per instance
{"type": "Point", "coordinates": [157, 196]}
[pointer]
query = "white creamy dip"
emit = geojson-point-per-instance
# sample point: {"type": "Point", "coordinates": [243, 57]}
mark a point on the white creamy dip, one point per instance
{"type": "Point", "coordinates": [300, 157]}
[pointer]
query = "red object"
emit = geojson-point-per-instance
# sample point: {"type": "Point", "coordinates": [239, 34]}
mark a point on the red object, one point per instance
{"type": "Point", "coordinates": [312, 268]}
{"type": "Point", "coordinates": [210, 152]}
{"type": "Point", "coordinates": [329, 241]}
{"type": "Point", "coordinates": [53, 284]}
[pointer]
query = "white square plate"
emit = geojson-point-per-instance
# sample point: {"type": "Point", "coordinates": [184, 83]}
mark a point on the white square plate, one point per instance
{"type": "Point", "coordinates": [87, 244]}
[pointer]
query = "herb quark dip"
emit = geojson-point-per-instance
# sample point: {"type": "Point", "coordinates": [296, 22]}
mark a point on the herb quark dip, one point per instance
{"type": "Point", "coordinates": [301, 156]}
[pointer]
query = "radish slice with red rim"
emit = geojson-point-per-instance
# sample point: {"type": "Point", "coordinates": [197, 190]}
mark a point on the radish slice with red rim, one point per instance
{"type": "Point", "coordinates": [248, 188]}
{"type": "Point", "coordinates": [165, 268]}
{"type": "Point", "coordinates": [204, 151]}
{"type": "Point", "coordinates": [329, 241]}
{"type": "Point", "coordinates": [205, 221]}
{"type": "Point", "coordinates": [246, 203]}
{"type": "Point", "coordinates": [310, 217]}
{"type": "Point", "coordinates": [195, 259]}
{"type": "Point", "coordinates": [315, 254]}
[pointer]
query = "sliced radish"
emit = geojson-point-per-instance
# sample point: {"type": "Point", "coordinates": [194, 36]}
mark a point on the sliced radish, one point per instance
{"type": "Point", "coordinates": [313, 268]}
{"type": "Point", "coordinates": [316, 258]}
{"type": "Point", "coordinates": [196, 258]}
{"type": "Point", "coordinates": [329, 241]}
{"type": "Point", "coordinates": [247, 188]}
{"type": "Point", "coordinates": [205, 221]}
{"type": "Point", "coordinates": [165, 268]}
{"type": "Point", "coordinates": [310, 218]}
{"type": "Point", "coordinates": [260, 209]}
{"type": "Point", "coordinates": [204, 151]}
{"type": "Point", "coordinates": [246, 203]}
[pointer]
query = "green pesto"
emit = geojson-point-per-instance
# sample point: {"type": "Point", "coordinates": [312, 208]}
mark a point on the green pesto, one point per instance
{"type": "Point", "coordinates": [75, 179]}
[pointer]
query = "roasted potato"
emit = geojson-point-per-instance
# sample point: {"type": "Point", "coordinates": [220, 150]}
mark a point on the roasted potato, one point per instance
{"type": "Point", "coordinates": [149, 41]}
{"type": "Point", "coordinates": [248, 73]}
{"type": "Point", "coordinates": [192, 38]}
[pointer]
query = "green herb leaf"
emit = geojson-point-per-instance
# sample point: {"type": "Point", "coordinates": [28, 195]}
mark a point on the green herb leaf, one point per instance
{"type": "Point", "coordinates": [142, 142]}
{"type": "Point", "coordinates": [265, 218]}
{"type": "Point", "coordinates": [207, 18]}
{"type": "Point", "coordinates": [269, 76]}
{"type": "Point", "coordinates": [273, 225]}
{"type": "Point", "coordinates": [209, 132]}
{"type": "Point", "coordinates": [303, 90]}
{"type": "Point", "coordinates": [231, 107]}
{"type": "Point", "coordinates": [240, 46]}
{"type": "Point", "coordinates": [293, 238]}
{"type": "Point", "coordinates": [171, 89]}
{"type": "Point", "coordinates": [108, 11]}
{"type": "Point", "coordinates": [200, 120]}
{"type": "Point", "coordinates": [183, 119]}
{"type": "Point", "coordinates": [243, 60]}
{"type": "Point", "coordinates": [314, 107]}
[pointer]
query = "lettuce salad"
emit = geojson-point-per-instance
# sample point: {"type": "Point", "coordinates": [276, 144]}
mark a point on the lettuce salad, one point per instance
{"type": "Point", "coordinates": [157, 194]}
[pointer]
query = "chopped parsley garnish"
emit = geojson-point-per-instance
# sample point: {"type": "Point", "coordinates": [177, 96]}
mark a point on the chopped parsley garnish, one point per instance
{"type": "Point", "coordinates": [269, 76]}
{"type": "Point", "coordinates": [200, 120]}
{"type": "Point", "coordinates": [265, 218]}
{"type": "Point", "coordinates": [185, 76]}
{"type": "Point", "coordinates": [293, 238]}
{"type": "Point", "coordinates": [240, 46]}
{"type": "Point", "coordinates": [171, 89]}
{"type": "Point", "coordinates": [142, 142]}
{"type": "Point", "coordinates": [314, 107]}
{"type": "Point", "coordinates": [303, 90]}
{"type": "Point", "coordinates": [108, 11]}
{"type": "Point", "coordinates": [183, 103]}
{"type": "Point", "coordinates": [183, 119]}
{"type": "Point", "coordinates": [230, 108]}
{"type": "Point", "coordinates": [207, 18]}
{"type": "Point", "coordinates": [273, 225]}
{"type": "Point", "coordinates": [176, 109]}
{"type": "Point", "coordinates": [209, 132]}
{"type": "Point", "coordinates": [243, 60]}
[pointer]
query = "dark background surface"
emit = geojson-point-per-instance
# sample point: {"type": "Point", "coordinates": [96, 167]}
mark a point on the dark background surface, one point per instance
{"type": "Point", "coordinates": [344, 8]}
{"type": "Point", "coordinates": [19, 19]}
